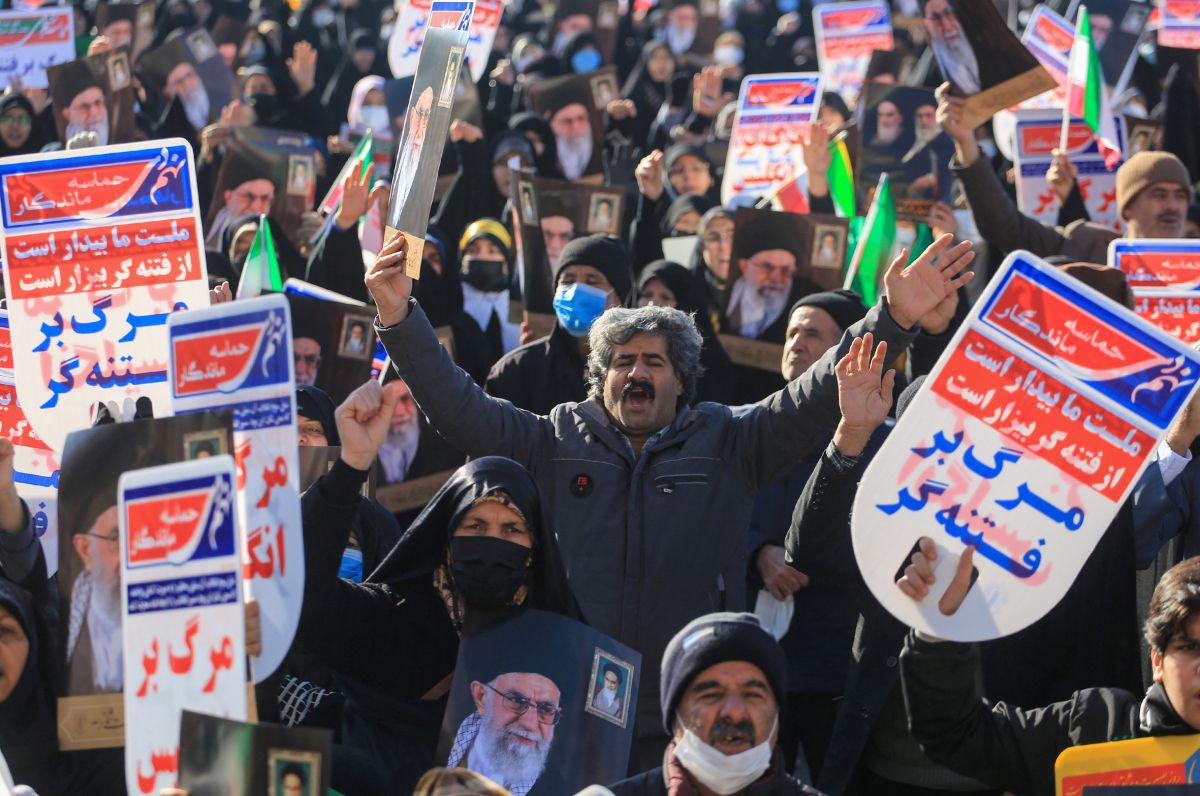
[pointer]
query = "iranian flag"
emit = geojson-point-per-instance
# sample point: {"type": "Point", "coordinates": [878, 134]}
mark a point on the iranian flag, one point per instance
{"type": "Point", "coordinates": [873, 252]}
{"type": "Point", "coordinates": [1087, 96]}
{"type": "Point", "coordinates": [261, 271]}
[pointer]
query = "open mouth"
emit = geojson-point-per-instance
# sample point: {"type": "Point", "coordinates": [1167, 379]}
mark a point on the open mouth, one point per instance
{"type": "Point", "coordinates": [638, 395]}
{"type": "Point", "coordinates": [731, 739]}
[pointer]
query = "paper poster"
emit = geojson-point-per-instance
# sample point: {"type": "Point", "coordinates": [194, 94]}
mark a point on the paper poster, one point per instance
{"type": "Point", "coordinates": [847, 34]}
{"type": "Point", "coordinates": [417, 17]}
{"type": "Point", "coordinates": [35, 465]}
{"type": "Point", "coordinates": [33, 41]}
{"type": "Point", "coordinates": [94, 94]}
{"type": "Point", "coordinates": [1157, 263]}
{"type": "Point", "coordinates": [1049, 37]}
{"type": "Point", "coordinates": [238, 758]}
{"type": "Point", "coordinates": [1179, 24]}
{"type": "Point", "coordinates": [1117, 27]}
{"type": "Point", "coordinates": [99, 247]}
{"type": "Point", "coordinates": [568, 100]}
{"type": "Point", "coordinates": [238, 356]}
{"type": "Point", "coordinates": [332, 344]}
{"type": "Point", "coordinates": [426, 124]}
{"type": "Point", "coordinates": [90, 706]}
{"type": "Point", "coordinates": [1027, 437]}
{"type": "Point", "coordinates": [1143, 761]}
{"type": "Point", "coordinates": [572, 692]}
{"type": "Point", "coordinates": [770, 129]}
{"type": "Point", "coordinates": [190, 68]}
{"type": "Point", "coordinates": [184, 617]}
{"type": "Point", "coordinates": [1037, 134]}
{"type": "Point", "coordinates": [127, 24]}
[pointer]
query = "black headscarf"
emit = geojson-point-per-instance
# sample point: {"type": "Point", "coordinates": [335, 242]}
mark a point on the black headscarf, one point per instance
{"type": "Point", "coordinates": [36, 139]}
{"type": "Point", "coordinates": [27, 728]}
{"type": "Point", "coordinates": [440, 295]}
{"type": "Point", "coordinates": [314, 403]}
{"type": "Point", "coordinates": [289, 257]}
{"type": "Point", "coordinates": [422, 548]}
{"type": "Point", "coordinates": [546, 164]}
{"type": "Point", "coordinates": [681, 206]}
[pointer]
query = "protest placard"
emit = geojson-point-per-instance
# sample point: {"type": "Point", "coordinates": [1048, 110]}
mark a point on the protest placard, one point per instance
{"type": "Point", "coordinates": [1179, 24]}
{"type": "Point", "coordinates": [1176, 312]}
{"type": "Point", "coordinates": [94, 94]}
{"type": "Point", "coordinates": [1157, 262]}
{"type": "Point", "coordinates": [184, 622]}
{"type": "Point", "coordinates": [847, 34]}
{"type": "Point", "coordinates": [220, 755]}
{"type": "Point", "coordinates": [1027, 437]}
{"type": "Point", "coordinates": [1117, 27]}
{"type": "Point", "coordinates": [332, 344]}
{"type": "Point", "coordinates": [100, 246]}
{"type": "Point", "coordinates": [577, 103]}
{"type": "Point", "coordinates": [416, 17]}
{"type": "Point", "coordinates": [901, 137]}
{"type": "Point", "coordinates": [1081, 770]}
{"type": "Point", "coordinates": [239, 356]}
{"type": "Point", "coordinates": [584, 690]}
{"type": "Point", "coordinates": [190, 68]}
{"type": "Point", "coordinates": [426, 124]}
{"type": "Point", "coordinates": [35, 465]}
{"type": "Point", "coordinates": [35, 41]}
{"type": "Point", "coordinates": [127, 24]}
{"type": "Point", "coordinates": [90, 706]}
{"type": "Point", "coordinates": [1037, 134]}
{"type": "Point", "coordinates": [770, 128]}
{"type": "Point", "coordinates": [1049, 37]}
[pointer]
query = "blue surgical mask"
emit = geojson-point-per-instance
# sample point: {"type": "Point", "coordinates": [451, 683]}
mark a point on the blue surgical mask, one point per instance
{"type": "Point", "coordinates": [351, 568]}
{"type": "Point", "coordinates": [578, 306]}
{"type": "Point", "coordinates": [585, 61]}
{"type": "Point", "coordinates": [787, 6]}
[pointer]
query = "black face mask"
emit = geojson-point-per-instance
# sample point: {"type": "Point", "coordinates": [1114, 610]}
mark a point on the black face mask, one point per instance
{"type": "Point", "coordinates": [487, 571]}
{"type": "Point", "coordinates": [266, 106]}
{"type": "Point", "coordinates": [486, 275]}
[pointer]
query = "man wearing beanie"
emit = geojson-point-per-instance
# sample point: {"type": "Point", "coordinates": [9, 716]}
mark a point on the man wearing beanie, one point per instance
{"type": "Point", "coordinates": [648, 492]}
{"type": "Point", "coordinates": [1153, 192]}
{"type": "Point", "coordinates": [722, 679]}
{"type": "Point", "coordinates": [592, 275]}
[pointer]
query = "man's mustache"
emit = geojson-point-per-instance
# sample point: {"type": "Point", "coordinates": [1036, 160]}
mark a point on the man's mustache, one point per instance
{"type": "Point", "coordinates": [723, 728]}
{"type": "Point", "coordinates": [644, 385]}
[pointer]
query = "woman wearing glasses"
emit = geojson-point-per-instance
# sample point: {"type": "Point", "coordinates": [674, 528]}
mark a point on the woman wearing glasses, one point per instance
{"type": "Point", "coordinates": [481, 551]}
{"type": "Point", "coordinates": [18, 135]}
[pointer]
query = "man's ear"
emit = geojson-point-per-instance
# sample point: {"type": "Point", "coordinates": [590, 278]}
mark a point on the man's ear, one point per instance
{"type": "Point", "coordinates": [1156, 664]}
{"type": "Point", "coordinates": [743, 265]}
{"type": "Point", "coordinates": [83, 549]}
{"type": "Point", "coordinates": [478, 692]}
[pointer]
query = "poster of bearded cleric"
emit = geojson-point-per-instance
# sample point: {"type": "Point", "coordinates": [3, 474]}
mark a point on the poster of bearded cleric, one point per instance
{"type": "Point", "coordinates": [94, 94]}
{"type": "Point", "coordinates": [189, 68]}
{"type": "Point", "coordinates": [901, 136]}
{"type": "Point", "coordinates": [332, 344]}
{"type": "Point", "coordinates": [542, 705]}
{"type": "Point", "coordinates": [90, 708]}
{"type": "Point", "coordinates": [574, 106]}
{"type": "Point", "coordinates": [982, 59]}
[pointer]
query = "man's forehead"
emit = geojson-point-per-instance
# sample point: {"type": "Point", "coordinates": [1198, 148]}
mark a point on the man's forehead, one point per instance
{"type": "Point", "coordinates": [572, 110]}
{"type": "Point", "coordinates": [534, 685]}
{"type": "Point", "coordinates": [642, 343]}
{"type": "Point", "coordinates": [773, 256]}
{"type": "Point", "coordinates": [730, 674]}
{"type": "Point", "coordinates": [815, 317]}
{"type": "Point", "coordinates": [258, 186]}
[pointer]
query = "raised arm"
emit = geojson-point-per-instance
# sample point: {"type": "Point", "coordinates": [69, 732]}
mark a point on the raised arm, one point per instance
{"type": "Point", "coordinates": [454, 404]}
{"type": "Point", "coordinates": [19, 545]}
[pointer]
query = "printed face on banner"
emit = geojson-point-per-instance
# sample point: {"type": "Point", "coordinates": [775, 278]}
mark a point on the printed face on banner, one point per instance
{"type": "Point", "coordinates": [184, 621]}
{"type": "Point", "coordinates": [1048, 403]}
{"type": "Point", "coordinates": [774, 113]}
{"type": "Point", "coordinates": [100, 246]}
{"type": "Point", "coordinates": [238, 355]}
{"type": "Point", "coordinates": [901, 136]}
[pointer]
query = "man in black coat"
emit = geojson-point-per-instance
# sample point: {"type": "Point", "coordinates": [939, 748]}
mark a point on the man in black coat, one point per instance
{"type": "Point", "coordinates": [722, 677]}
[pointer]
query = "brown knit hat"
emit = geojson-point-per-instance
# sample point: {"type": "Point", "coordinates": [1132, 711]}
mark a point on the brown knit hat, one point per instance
{"type": "Point", "coordinates": [1143, 170]}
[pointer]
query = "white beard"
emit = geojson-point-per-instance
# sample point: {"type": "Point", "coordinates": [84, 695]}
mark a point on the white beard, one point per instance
{"type": "Point", "coordinates": [506, 761]}
{"type": "Point", "coordinates": [574, 155]}
{"type": "Point", "coordinates": [195, 105]}
{"type": "Point", "coordinates": [884, 137]}
{"type": "Point", "coordinates": [755, 310]}
{"type": "Point", "coordinates": [101, 131]}
{"type": "Point", "coordinates": [680, 41]}
{"type": "Point", "coordinates": [958, 63]}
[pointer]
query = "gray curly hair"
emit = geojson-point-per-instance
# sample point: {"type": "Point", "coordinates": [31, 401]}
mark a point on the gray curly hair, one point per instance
{"type": "Point", "coordinates": [618, 326]}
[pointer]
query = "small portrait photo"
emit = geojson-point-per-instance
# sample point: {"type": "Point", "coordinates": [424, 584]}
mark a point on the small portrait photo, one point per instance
{"type": "Point", "coordinates": [607, 16]}
{"type": "Point", "coordinates": [1135, 19]}
{"type": "Point", "coordinates": [357, 338]}
{"type": "Point", "coordinates": [202, 444]}
{"type": "Point", "coordinates": [604, 90]}
{"type": "Point", "coordinates": [293, 772]}
{"type": "Point", "coordinates": [201, 46]}
{"type": "Point", "coordinates": [146, 14]}
{"type": "Point", "coordinates": [528, 208]}
{"type": "Point", "coordinates": [118, 71]}
{"type": "Point", "coordinates": [608, 690]}
{"type": "Point", "coordinates": [602, 213]}
{"type": "Point", "coordinates": [300, 175]}
{"type": "Point", "coordinates": [1141, 136]}
{"type": "Point", "coordinates": [829, 247]}
{"type": "Point", "coordinates": [710, 8]}
{"type": "Point", "coordinates": [450, 81]}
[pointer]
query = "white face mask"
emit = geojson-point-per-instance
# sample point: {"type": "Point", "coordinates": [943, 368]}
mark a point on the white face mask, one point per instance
{"type": "Point", "coordinates": [719, 772]}
{"type": "Point", "coordinates": [728, 54]}
{"type": "Point", "coordinates": [376, 117]}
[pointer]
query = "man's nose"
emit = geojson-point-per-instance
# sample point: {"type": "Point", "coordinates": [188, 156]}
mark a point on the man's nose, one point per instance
{"type": "Point", "coordinates": [529, 720]}
{"type": "Point", "coordinates": [734, 710]}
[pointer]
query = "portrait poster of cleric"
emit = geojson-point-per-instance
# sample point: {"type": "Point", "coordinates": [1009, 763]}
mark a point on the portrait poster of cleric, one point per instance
{"type": "Point", "coordinates": [542, 704]}
{"type": "Point", "coordinates": [332, 344]}
{"type": "Point", "coordinates": [263, 171]}
{"type": "Point", "coordinates": [189, 68]}
{"type": "Point", "coordinates": [89, 564]}
{"type": "Point", "coordinates": [570, 105]}
{"type": "Point", "coordinates": [426, 124]}
{"type": "Point", "coordinates": [94, 94]}
{"type": "Point", "coordinates": [982, 59]}
{"type": "Point", "coordinates": [127, 24]}
{"type": "Point", "coordinates": [1117, 27]}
